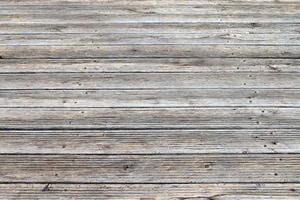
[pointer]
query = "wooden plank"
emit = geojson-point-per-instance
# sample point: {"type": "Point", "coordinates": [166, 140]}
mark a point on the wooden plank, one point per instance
{"type": "Point", "coordinates": [151, 28]}
{"type": "Point", "coordinates": [184, 65]}
{"type": "Point", "coordinates": [232, 168]}
{"type": "Point", "coordinates": [287, 191]}
{"type": "Point", "coordinates": [148, 80]}
{"type": "Point", "coordinates": [151, 98]}
{"type": "Point", "coordinates": [150, 141]}
{"type": "Point", "coordinates": [147, 39]}
{"type": "Point", "coordinates": [150, 51]}
{"type": "Point", "coordinates": [189, 9]}
{"type": "Point", "coordinates": [150, 2]}
{"type": "Point", "coordinates": [150, 18]}
{"type": "Point", "coordinates": [148, 118]}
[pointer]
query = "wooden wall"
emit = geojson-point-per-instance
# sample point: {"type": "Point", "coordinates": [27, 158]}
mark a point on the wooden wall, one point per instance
{"type": "Point", "coordinates": [150, 99]}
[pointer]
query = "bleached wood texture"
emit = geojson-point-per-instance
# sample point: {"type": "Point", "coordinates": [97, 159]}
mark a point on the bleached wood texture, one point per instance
{"type": "Point", "coordinates": [152, 28]}
{"type": "Point", "coordinates": [149, 80]}
{"type": "Point", "coordinates": [150, 141]}
{"type": "Point", "coordinates": [150, 51]}
{"type": "Point", "coordinates": [148, 118]}
{"type": "Point", "coordinates": [180, 65]}
{"type": "Point", "coordinates": [151, 168]}
{"type": "Point", "coordinates": [146, 39]}
{"type": "Point", "coordinates": [150, 99]}
{"type": "Point", "coordinates": [219, 191]}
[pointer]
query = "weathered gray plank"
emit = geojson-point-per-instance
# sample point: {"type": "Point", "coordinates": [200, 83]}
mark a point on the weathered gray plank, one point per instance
{"type": "Point", "coordinates": [151, 98]}
{"type": "Point", "coordinates": [150, 2]}
{"type": "Point", "coordinates": [148, 80]}
{"type": "Point", "coordinates": [213, 65]}
{"type": "Point", "coordinates": [189, 9]}
{"type": "Point", "coordinates": [220, 191]}
{"type": "Point", "coordinates": [151, 168]}
{"type": "Point", "coordinates": [151, 141]}
{"type": "Point", "coordinates": [149, 51]}
{"type": "Point", "coordinates": [151, 28]}
{"type": "Point", "coordinates": [145, 118]}
{"type": "Point", "coordinates": [150, 18]}
{"type": "Point", "coordinates": [146, 39]}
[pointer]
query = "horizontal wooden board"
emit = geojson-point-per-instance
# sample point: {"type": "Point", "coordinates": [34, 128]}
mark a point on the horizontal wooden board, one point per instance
{"type": "Point", "coordinates": [151, 141]}
{"type": "Point", "coordinates": [182, 65]}
{"type": "Point", "coordinates": [151, 98]}
{"type": "Point", "coordinates": [189, 9]}
{"type": "Point", "coordinates": [147, 39]}
{"type": "Point", "coordinates": [152, 28]}
{"type": "Point", "coordinates": [220, 191]}
{"type": "Point", "coordinates": [85, 17]}
{"type": "Point", "coordinates": [149, 51]}
{"type": "Point", "coordinates": [148, 80]}
{"type": "Point", "coordinates": [150, 168]}
{"type": "Point", "coordinates": [145, 2]}
{"type": "Point", "coordinates": [148, 118]}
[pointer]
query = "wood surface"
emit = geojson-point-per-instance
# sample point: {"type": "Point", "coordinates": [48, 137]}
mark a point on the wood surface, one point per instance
{"type": "Point", "coordinates": [220, 191]}
{"type": "Point", "coordinates": [150, 100]}
{"type": "Point", "coordinates": [220, 141]}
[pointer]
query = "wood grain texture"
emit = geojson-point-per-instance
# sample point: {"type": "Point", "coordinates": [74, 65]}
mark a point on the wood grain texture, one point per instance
{"type": "Point", "coordinates": [151, 98]}
{"type": "Point", "coordinates": [149, 51]}
{"type": "Point", "coordinates": [146, 2]}
{"type": "Point", "coordinates": [150, 141]}
{"type": "Point", "coordinates": [187, 9]}
{"type": "Point", "coordinates": [151, 28]}
{"type": "Point", "coordinates": [148, 80]}
{"type": "Point", "coordinates": [149, 18]}
{"type": "Point", "coordinates": [150, 168]}
{"type": "Point", "coordinates": [180, 65]}
{"type": "Point", "coordinates": [148, 118]}
{"type": "Point", "coordinates": [220, 191]}
{"type": "Point", "coordinates": [84, 39]}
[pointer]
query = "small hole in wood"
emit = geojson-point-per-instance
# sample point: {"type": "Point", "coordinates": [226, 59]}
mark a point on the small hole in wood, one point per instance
{"type": "Point", "coordinates": [126, 167]}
